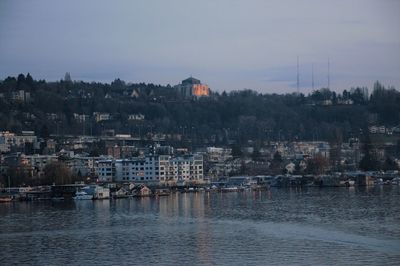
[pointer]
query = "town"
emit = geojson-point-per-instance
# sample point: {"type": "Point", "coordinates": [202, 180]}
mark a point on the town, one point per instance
{"type": "Point", "coordinates": [122, 152]}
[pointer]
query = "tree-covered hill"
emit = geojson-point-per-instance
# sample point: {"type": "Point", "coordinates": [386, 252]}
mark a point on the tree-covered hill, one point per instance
{"type": "Point", "coordinates": [55, 107]}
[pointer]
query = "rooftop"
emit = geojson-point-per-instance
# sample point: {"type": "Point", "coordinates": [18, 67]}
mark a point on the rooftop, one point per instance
{"type": "Point", "coordinates": [190, 80]}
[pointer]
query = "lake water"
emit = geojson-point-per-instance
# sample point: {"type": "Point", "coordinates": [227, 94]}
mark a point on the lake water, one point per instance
{"type": "Point", "coordinates": [340, 226]}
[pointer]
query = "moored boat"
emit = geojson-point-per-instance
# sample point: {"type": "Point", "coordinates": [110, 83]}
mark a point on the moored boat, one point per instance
{"type": "Point", "coordinates": [82, 195]}
{"type": "Point", "coordinates": [5, 199]}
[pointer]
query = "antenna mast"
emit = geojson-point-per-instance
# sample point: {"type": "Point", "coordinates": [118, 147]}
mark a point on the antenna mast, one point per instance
{"type": "Point", "coordinates": [312, 76]}
{"type": "Point", "coordinates": [298, 76]}
{"type": "Point", "coordinates": [329, 75]}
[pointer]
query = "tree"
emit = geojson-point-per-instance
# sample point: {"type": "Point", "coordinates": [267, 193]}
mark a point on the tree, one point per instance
{"type": "Point", "coordinates": [277, 163]}
{"type": "Point", "coordinates": [67, 77]}
{"type": "Point", "coordinates": [44, 132]}
{"type": "Point", "coordinates": [29, 80]}
{"type": "Point", "coordinates": [277, 157]}
{"type": "Point", "coordinates": [369, 161]}
{"type": "Point", "coordinates": [389, 164]}
{"type": "Point", "coordinates": [256, 155]}
{"type": "Point", "coordinates": [18, 175]}
{"type": "Point", "coordinates": [317, 165]}
{"type": "Point", "coordinates": [236, 151]}
{"type": "Point", "coordinates": [357, 96]}
{"type": "Point", "coordinates": [57, 173]}
{"type": "Point", "coordinates": [20, 79]}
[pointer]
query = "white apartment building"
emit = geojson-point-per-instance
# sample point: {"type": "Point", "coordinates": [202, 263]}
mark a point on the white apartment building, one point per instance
{"type": "Point", "coordinates": [105, 170]}
{"type": "Point", "coordinates": [183, 169]}
{"type": "Point", "coordinates": [162, 169]}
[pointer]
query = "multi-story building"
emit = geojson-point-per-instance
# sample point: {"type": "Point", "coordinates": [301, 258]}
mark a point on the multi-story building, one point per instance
{"type": "Point", "coordinates": [9, 139]}
{"type": "Point", "coordinates": [105, 170]}
{"type": "Point", "coordinates": [38, 163]}
{"type": "Point", "coordinates": [192, 87]}
{"type": "Point", "coordinates": [216, 154]}
{"type": "Point", "coordinates": [158, 169]}
{"type": "Point", "coordinates": [182, 169]}
{"type": "Point", "coordinates": [83, 165]}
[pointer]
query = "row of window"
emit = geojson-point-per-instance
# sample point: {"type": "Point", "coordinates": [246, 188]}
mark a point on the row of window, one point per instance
{"type": "Point", "coordinates": [140, 178]}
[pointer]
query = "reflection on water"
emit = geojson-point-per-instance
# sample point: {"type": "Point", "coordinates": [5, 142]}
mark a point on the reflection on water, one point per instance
{"type": "Point", "coordinates": [358, 226]}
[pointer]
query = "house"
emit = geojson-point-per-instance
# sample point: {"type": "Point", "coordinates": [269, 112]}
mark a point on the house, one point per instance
{"type": "Point", "coordinates": [345, 101]}
{"type": "Point", "coordinates": [101, 193]}
{"type": "Point", "coordinates": [121, 193]}
{"type": "Point", "coordinates": [141, 191]}
{"type": "Point", "coordinates": [21, 96]}
{"type": "Point", "coordinates": [145, 191]}
{"type": "Point", "coordinates": [135, 94]}
{"type": "Point", "coordinates": [136, 117]}
{"type": "Point", "coordinates": [101, 116]}
{"type": "Point", "coordinates": [290, 168]}
{"type": "Point", "coordinates": [81, 117]}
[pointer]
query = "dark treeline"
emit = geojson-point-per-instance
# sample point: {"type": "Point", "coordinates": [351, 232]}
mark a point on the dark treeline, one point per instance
{"type": "Point", "coordinates": [49, 108]}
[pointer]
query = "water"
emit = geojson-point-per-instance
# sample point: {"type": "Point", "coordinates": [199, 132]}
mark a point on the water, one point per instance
{"type": "Point", "coordinates": [338, 226]}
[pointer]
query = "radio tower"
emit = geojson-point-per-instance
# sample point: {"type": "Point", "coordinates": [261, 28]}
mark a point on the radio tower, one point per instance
{"type": "Point", "coordinates": [298, 76]}
{"type": "Point", "coordinates": [312, 76]}
{"type": "Point", "coordinates": [329, 75]}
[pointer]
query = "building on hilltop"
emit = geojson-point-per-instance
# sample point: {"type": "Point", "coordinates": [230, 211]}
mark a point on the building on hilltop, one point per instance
{"type": "Point", "coordinates": [192, 87]}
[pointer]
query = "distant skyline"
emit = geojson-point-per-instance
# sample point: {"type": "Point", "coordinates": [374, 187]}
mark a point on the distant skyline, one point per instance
{"type": "Point", "coordinates": [227, 44]}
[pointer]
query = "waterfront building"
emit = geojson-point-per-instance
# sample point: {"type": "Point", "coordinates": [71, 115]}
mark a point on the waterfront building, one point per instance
{"type": "Point", "coordinates": [105, 170]}
{"type": "Point", "coordinates": [153, 169]}
{"type": "Point", "coordinates": [184, 169]}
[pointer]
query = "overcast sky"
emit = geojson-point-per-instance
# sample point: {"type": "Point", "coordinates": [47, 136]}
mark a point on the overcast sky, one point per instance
{"type": "Point", "coordinates": [228, 44]}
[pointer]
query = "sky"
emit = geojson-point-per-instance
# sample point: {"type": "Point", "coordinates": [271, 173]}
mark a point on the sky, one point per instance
{"type": "Point", "coordinates": [227, 44]}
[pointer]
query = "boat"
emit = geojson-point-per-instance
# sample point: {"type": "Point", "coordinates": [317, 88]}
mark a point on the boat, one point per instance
{"type": "Point", "coordinates": [5, 199]}
{"type": "Point", "coordinates": [82, 195]}
{"type": "Point", "coordinates": [396, 181]}
{"type": "Point", "coordinates": [347, 183]}
{"type": "Point", "coordinates": [231, 189]}
{"type": "Point", "coordinates": [57, 198]}
{"type": "Point", "coordinates": [162, 192]}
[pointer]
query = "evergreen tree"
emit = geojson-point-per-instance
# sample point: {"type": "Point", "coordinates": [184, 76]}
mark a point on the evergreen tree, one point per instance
{"type": "Point", "coordinates": [369, 162]}
{"type": "Point", "coordinates": [67, 77]}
